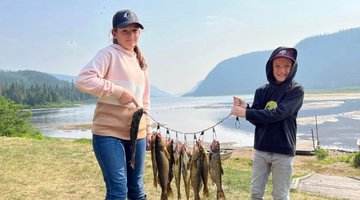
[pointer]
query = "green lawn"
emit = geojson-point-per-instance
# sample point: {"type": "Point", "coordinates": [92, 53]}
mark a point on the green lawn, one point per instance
{"type": "Point", "coordinates": [67, 169]}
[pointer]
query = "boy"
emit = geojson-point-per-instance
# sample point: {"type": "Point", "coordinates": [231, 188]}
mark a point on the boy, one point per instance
{"type": "Point", "coordinates": [274, 113]}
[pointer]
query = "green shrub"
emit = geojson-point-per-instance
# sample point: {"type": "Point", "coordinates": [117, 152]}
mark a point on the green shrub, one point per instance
{"type": "Point", "coordinates": [321, 154]}
{"type": "Point", "coordinates": [14, 120]}
{"type": "Point", "coordinates": [356, 161]}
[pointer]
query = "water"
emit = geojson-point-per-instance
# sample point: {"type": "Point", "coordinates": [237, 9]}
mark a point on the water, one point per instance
{"type": "Point", "coordinates": [338, 121]}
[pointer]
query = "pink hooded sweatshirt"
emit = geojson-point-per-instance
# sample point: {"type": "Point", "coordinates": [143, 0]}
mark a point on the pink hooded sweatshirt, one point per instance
{"type": "Point", "coordinates": [112, 70]}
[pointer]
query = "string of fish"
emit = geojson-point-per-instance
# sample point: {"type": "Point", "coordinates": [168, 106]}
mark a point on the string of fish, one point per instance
{"type": "Point", "coordinates": [201, 132]}
{"type": "Point", "coordinates": [171, 160]}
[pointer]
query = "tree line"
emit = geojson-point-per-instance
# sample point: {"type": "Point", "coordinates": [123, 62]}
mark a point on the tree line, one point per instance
{"type": "Point", "coordinates": [42, 94]}
{"type": "Point", "coordinates": [35, 89]}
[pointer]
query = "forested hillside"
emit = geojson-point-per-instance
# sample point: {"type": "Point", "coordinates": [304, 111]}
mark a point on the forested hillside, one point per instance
{"type": "Point", "coordinates": [34, 88]}
{"type": "Point", "coordinates": [326, 62]}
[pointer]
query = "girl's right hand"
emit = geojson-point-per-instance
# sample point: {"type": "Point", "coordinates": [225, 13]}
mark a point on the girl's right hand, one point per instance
{"type": "Point", "coordinates": [127, 98]}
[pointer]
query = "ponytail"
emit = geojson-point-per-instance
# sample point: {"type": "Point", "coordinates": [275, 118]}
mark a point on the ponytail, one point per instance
{"type": "Point", "coordinates": [140, 57]}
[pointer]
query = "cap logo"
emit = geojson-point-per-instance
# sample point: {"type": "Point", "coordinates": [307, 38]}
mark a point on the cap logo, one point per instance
{"type": "Point", "coordinates": [126, 15]}
{"type": "Point", "coordinates": [283, 53]}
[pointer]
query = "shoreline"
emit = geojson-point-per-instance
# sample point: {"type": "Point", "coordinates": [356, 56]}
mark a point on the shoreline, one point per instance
{"type": "Point", "coordinates": [332, 96]}
{"type": "Point", "coordinates": [312, 101]}
{"type": "Point", "coordinates": [329, 100]}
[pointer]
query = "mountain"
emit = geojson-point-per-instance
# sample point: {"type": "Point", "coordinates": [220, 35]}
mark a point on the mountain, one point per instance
{"type": "Point", "coordinates": [63, 77]}
{"type": "Point", "coordinates": [243, 73]}
{"type": "Point", "coordinates": [38, 89]}
{"type": "Point", "coordinates": [155, 92]}
{"type": "Point", "coordinates": [325, 62]}
{"type": "Point", "coordinates": [29, 77]}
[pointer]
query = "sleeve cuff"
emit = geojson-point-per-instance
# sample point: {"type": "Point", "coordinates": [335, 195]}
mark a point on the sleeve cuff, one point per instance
{"type": "Point", "coordinates": [117, 92]}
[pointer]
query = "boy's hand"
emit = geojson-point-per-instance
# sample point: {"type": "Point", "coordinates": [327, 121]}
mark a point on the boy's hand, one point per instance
{"type": "Point", "coordinates": [238, 101]}
{"type": "Point", "coordinates": [238, 111]}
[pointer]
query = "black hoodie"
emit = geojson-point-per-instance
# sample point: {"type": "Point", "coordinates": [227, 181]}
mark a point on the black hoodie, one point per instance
{"type": "Point", "coordinates": [275, 109]}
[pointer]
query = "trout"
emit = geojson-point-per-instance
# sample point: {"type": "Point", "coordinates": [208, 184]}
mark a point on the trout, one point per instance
{"type": "Point", "coordinates": [153, 159]}
{"type": "Point", "coordinates": [199, 170]}
{"type": "Point", "coordinates": [205, 168]}
{"type": "Point", "coordinates": [177, 167]}
{"type": "Point", "coordinates": [170, 149]}
{"type": "Point", "coordinates": [185, 168]}
{"type": "Point", "coordinates": [216, 170]}
{"type": "Point", "coordinates": [134, 128]}
{"type": "Point", "coordinates": [195, 171]}
{"type": "Point", "coordinates": [162, 163]}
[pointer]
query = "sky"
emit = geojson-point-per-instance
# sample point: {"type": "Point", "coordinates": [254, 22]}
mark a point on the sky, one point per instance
{"type": "Point", "coordinates": [182, 40]}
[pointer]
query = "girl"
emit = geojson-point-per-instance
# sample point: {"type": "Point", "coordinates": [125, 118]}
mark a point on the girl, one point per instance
{"type": "Point", "coordinates": [118, 76]}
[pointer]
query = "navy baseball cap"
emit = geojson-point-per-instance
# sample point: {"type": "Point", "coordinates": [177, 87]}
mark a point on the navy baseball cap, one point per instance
{"type": "Point", "coordinates": [289, 53]}
{"type": "Point", "coordinates": [125, 17]}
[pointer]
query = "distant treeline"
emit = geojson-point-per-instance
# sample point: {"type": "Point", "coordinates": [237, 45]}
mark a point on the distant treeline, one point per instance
{"type": "Point", "coordinates": [36, 88]}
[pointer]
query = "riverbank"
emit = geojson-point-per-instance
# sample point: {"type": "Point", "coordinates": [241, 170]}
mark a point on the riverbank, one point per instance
{"type": "Point", "coordinates": [67, 169]}
{"type": "Point", "coordinates": [332, 96]}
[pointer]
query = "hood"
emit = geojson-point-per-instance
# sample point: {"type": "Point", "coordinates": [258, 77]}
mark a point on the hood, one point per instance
{"type": "Point", "coordinates": [269, 71]}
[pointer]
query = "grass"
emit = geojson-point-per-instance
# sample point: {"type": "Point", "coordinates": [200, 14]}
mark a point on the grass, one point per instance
{"type": "Point", "coordinates": [67, 169]}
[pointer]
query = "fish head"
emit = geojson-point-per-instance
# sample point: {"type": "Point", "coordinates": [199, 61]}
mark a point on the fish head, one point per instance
{"type": "Point", "coordinates": [185, 149]}
{"type": "Point", "coordinates": [178, 147]}
{"type": "Point", "coordinates": [215, 146]}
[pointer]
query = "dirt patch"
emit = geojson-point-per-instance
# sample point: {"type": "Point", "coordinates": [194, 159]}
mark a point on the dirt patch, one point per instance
{"type": "Point", "coordinates": [244, 152]}
{"type": "Point", "coordinates": [82, 127]}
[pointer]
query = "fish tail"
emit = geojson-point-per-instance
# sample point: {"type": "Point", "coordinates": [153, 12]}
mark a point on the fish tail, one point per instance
{"type": "Point", "coordinates": [206, 192]}
{"type": "Point", "coordinates": [179, 195]}
{"type": "Point", "coordinates": [164, 196]}
{"type": "Point", "coordinates": [220, 195]}
{"type": "Point", "coordinates": [170, 193]}
{"type": "Point", "coordinates": [187, 190]}
{"type": "Point", "coordinates": [155, 183]}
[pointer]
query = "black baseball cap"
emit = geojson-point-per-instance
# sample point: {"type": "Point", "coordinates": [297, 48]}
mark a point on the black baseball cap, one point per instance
{"type": "Point", "coordinates": [125, 17]}
{"type": "Point", "coordinates": [289, 53]}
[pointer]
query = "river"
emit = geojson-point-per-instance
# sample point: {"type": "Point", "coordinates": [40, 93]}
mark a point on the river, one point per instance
{"type": "Point", "coordinates": [338, 124]}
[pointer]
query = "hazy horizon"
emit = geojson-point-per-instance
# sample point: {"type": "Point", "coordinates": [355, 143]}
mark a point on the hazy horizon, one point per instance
{"type": "Point", "coordinates": [182, 41]}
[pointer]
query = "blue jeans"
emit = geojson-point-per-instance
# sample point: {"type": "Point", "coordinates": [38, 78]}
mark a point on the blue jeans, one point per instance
{"type": "Point", "coordinates": [281, 168]}
{"type": "Point", "coordinates": [113, 156]}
